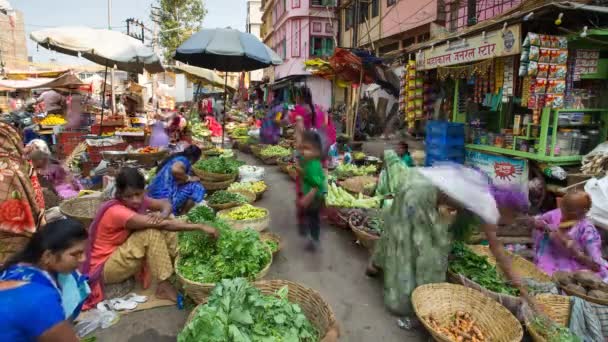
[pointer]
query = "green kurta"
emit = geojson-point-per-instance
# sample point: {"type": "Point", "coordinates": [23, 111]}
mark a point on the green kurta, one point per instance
{"type": "Point", "coordinates": [414, 246]}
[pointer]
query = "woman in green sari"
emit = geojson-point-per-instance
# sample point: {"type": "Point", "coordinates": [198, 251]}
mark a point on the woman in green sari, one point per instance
{"type": "Point", "coordinates": [414, 246]}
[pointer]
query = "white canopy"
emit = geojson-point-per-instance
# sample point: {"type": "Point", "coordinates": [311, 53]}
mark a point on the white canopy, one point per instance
{"type": "Point", "coordinates": [105, 47]}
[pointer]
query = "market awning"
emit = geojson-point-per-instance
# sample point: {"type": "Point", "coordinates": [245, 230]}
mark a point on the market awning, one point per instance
{"type": "Point", "coordinates": [202, 75]}
{"type": "Point", "coordinates": [65, 81]}
{"type": "Point", "coordinates": [24, 75]}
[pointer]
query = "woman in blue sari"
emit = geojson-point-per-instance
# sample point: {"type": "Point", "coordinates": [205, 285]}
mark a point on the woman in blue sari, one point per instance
{"type": "Point", "coordinates": [174, 182]}
{"type": "Point", "coordinates": [40, 289]}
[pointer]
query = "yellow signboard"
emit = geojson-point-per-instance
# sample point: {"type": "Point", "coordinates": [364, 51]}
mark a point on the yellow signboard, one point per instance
{"type": "Point", "coordinates": [497, 43]}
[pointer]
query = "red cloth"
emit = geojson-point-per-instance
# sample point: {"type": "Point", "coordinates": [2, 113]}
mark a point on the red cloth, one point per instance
{"type": "Point", "coordinates": [214, 126]}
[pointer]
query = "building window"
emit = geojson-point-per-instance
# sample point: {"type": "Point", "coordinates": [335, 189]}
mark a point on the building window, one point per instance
{"type": "Point", "coordinates": [325, 3]}
{"type": "Point", "coordinates": [295, 42]}
{"type": "Point", "coordinates": [328, 28]}
{"type": "Point", "coordinates": [390, 3]}
{"type": "Point", "coordinates": [348, 18]}
{"type": "Point", "coordinates": [460, 14]}
{"type": "Point", "coordinates": [284, 49]}
{"type": "Point", "coordinates": [363, 12]}
{"type": "Point", "coordinates": [321, 46]}
{"type": "Point", "coordinates": [375, 8]}
{"type": "Point", "coordinates": [295, 3]}
{"type": "Point", "coordinates": [317, 27]}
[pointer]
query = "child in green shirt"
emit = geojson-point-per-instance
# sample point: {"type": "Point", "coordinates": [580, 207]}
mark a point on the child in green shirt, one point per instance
{"type": "Point", "coordinates": [313, 185]}
{"type": "Point", "coordinates": [404, 153]}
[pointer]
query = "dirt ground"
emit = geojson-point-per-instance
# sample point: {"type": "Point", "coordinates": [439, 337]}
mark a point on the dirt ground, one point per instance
{"type": "Point", "coordinates": [336, 272]}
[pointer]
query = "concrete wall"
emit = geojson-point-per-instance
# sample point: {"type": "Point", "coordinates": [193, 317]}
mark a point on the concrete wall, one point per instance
{"type": "Point", "coordinates": [13, 48]}
{"type": "Point", "coordinates": [406, 15]}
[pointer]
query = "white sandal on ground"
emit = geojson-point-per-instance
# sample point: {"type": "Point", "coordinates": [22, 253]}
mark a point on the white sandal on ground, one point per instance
{"type": "Point", "coordinates": [134, 297]}
{"type": "Point", "coordinates": [119, 304]}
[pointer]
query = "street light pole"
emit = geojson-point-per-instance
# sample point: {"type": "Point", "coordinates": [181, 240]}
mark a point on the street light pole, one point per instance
{"type": "Point", "coordinates": [113, 99]}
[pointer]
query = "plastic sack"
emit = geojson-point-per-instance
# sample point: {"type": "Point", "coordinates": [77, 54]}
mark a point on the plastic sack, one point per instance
{"type": "Point", "coordinates": [598, 190]}
{"type": "Point", "coordinates": [95, 319]}
{"type": "Point", "coordinates": [255, 133]}
{"type": "Point", "coordinates": [249, 173]}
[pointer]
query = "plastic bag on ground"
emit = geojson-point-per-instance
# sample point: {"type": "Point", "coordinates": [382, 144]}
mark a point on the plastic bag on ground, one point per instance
{"type": "Point", "coordinates": [250, 173]}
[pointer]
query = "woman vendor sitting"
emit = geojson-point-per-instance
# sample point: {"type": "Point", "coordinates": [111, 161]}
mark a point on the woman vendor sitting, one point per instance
{"type": "Point", "coordinates": [33, 286]}
{"type": "Point", "coordinates": [124, 235]}
{"type": "Point", "coordinates": [51, 171]}
{"type": "Point", "coordinates": [174, 182]}
{"type": "Point", "coordinates": [565, 240]}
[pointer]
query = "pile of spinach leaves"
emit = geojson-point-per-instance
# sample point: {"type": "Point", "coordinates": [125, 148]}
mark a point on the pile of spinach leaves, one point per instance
{"type": "Point", "coordinates": [238, 312]}
{"type": "Point", "coordinates": [219, 165]}
{"type": "Point", "coordinates": [478, 269]}
{"type": "Point", "coordinates": [236, 253]}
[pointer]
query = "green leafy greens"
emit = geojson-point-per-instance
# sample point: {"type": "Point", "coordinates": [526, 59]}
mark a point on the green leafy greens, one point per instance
{"type": "Point", "coordinates": [236, 253]}
{"type": "Point", "coordinates": [219, 165]}
{"type": "Point", "coordinates": [223, 197]}
{"type": "Point", "coordinates": [238, 312]}
{"type": "Point", "coordinates": [478, 269]}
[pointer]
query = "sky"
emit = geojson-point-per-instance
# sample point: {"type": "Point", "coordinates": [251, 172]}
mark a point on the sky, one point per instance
{"type": "Point", "coordinates": [40, 14]}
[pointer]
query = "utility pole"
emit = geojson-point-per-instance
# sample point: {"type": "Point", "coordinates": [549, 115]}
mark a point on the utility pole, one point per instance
{"type": "Point", "coordinates": [112, 70]}
{"type": "Point", "coordinates": [155, 43]}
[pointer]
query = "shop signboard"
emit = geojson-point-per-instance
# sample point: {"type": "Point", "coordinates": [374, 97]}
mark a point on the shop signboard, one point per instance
{"type": "Point", "coordinates": [502, 170]}
{"type": "Point", "coordinates": [496, 43]}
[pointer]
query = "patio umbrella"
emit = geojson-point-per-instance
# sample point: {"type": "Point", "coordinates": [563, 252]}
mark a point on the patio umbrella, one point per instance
{"type": "Point", "coordinates": [105, 47]}
{"type": "Point", "coordinates": [226, 50]}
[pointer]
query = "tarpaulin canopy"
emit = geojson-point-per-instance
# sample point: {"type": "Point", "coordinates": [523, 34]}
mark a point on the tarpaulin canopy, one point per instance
{"type": "Point", "coordinates": [202, 75]}
{"type": "Point", "coordinates": [24, 75]}
{"type": "Point", "coordinates": [104, 47]}
{"type": "Point", "coordinates": [65, 81]}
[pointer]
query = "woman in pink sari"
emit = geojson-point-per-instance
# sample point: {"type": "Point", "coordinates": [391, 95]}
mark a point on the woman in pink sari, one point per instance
{"type": "Point", "coordinates": [565, 240]}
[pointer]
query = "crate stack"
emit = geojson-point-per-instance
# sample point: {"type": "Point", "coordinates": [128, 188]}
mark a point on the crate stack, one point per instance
{"type": "Point", "coordinates": [67, 140]}
{"type": "Point", "coordinates": [444, 142]}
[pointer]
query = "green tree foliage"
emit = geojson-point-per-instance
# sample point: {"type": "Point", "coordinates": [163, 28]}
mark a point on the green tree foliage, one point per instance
{"type": "Point", "coordinates": [179, 19]}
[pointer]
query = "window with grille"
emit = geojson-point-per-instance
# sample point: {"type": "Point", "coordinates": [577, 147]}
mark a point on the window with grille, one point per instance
{"type": "Point", "coordinates": [348, 18]}
{"type": "Point", "coordinates": [375, 8]}
{"type": "Point", "coordinates": [324, 3]}
{"type": "Point", "coordinates": [463, 13]}
{"type": "Point", "coordinates": [363, 12]}
{"type": "Point", "coordinates": [321, 46]}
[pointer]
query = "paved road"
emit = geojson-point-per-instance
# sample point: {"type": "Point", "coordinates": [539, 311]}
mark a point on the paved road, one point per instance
{"type": "Point", "coordinates": [337, 273]}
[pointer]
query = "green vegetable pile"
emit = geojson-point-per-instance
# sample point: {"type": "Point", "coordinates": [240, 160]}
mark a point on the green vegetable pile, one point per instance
{"type": "Point", "coordinates": [338, 197]}
{"type": "Point", "coordinates": [274, 246]}
{"type": "Point", "coordinates": [255, 187]}
{"type": "Point", "coordinates": [236, 253]}
{"type": "Point", "coordinates": [240, 132]}
{"type": "Point", "coordinates": [275, 151]}
{"type": "Point", "coordinates": [239, 312]}
{"type": "Point", "coordinates": [223, 197]}
{"type": "Point", "coordinates": [553, 332]}
{"type": "Point", "coordinates": [200, 214]}
{"type": "Point", "coordinates": [477, 268]}
{"type": "Point", "coordinates": [244, 212]}
{"type": "Point", "coordinates": [200, 130]}
{"type": "Point", "coordinates": [219, 165]}
{"type": "Point", "coordinates": [350, 170]}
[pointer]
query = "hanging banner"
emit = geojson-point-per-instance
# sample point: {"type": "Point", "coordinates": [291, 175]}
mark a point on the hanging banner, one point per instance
{"type": "Point", "coordinates": [486, 45]}
{"type": "Point", "coordinates": [501, 170]}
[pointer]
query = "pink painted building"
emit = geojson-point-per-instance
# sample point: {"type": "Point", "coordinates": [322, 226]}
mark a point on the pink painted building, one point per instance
{"type": "Point", "coordinates": [299, 30]}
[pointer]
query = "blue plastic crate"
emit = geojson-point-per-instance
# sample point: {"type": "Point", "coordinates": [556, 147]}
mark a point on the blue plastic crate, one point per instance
{"type": "Point", "coordinates": [445, 152]}
{"type": "Point", "coordinates": [444, 129]}
{"type": "Point", "coordinates": [453, 140]}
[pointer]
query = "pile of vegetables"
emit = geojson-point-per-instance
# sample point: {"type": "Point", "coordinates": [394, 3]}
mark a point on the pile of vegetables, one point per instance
{"type": "Point", "coordinates": [275, 151]}
{"type": "Point", "coordinates": [200, 214]}
{"type": "Point", "coordinates": [583, 282]}
{"type": "Point", "coordinates": [358, 155]}
{"type": "Point", "coordinates": [200, 130]}
{"type": "Point", "coordinates": [552, 331]}
{"type": "Point", "coordinates": [255, 187]}
{"type": "Point", "coordinates": [237, 311]}
{"type": "Point", "coordinates": [236, 253]}
{"type": "Point", "coordinates": [350, 170]}
{"type": "Point", "coordinates": [370, 224]}
{"type": "Point", "coordinates": [461, 328]}
{"type": "Point", "coordinates": [240, 132]}
{"type": "Point", "coordinates": [274, 246]}
{"type": "Point", "coordinates": [219, 165]}
{"type": "Point", "coordinates": [223, 197]}
{"type": "Point", "coordinates": [244, 212]}
{"type": "Point", "coordinates": [338, 197]}
{"type": "Point", "coordinates": [477, 268]}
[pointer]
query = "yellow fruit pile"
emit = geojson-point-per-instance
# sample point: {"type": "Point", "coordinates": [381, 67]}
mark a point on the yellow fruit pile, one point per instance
{"type": "Point", "coordinates": [53, 120]}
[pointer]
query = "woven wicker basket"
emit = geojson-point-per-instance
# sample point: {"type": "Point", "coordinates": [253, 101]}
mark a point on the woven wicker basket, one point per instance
{"type": "Point", "coordinates": [269, 160]}
{"type": "Point", "coordinates": [250, 196]}
{"type": "Point", "coordinates": [520, 265]}
{"type": "Point", "coordinates": [259, 224]}
{"type": "Point", "coordinates": [200, 291]}
{"type": "Point", "coordinates": [366, 239]}
{"type": "Point", "coordinates": [316, 309]}
{"type": "Point", "coordinates": [352, 185]}
{"type": "Point", "coordinates": [82, 209]}
{"type": "Point", "coordinates": [10, 244]}
{"type": "Point", "coordinates": [212, 185]}
{"type": "Point", "coordinates": [214, 177]}
{"type": "Point", "coordinates": [558, 310]}
{"type": "Point", "coordinates": [268, 236]}
{"type": "Point", "coordinates": [443, 300]}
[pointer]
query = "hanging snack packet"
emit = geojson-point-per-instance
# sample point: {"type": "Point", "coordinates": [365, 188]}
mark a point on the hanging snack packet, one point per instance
{"type": "Point", "coordinates": [545, 56]}
{"type": "Point", "coordinates": [533, 69]}
{"type": "Point", "coordinates": [558, 101]}
{"type": "Point", "coordinates": [545, 41]}
{"type": "Point", "coordinates": [534, 53]}
{"type": "Point", "coordinates": [534, 38]}
{"type": "Point", "coordinates": [543, 70]}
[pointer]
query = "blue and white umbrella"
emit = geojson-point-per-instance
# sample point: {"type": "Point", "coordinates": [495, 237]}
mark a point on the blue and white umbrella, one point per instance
{"type": "Point", "coordinates": [226, 49]}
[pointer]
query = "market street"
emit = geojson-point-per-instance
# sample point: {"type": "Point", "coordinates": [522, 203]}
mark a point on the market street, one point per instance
{"type": "Point", "coordinates": [337, 273]}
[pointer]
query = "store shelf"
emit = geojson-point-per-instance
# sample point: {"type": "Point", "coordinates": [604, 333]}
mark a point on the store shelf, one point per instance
{"type": "Point", "coordinates": [586, 110]}
{"type": "Point", "coordinates": [564, 160]}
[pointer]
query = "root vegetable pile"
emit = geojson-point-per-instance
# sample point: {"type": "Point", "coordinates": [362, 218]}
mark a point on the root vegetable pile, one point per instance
{"type": "Point", "coordinates": [462, 328]}
{"type": "Point", "coordinates": [583, 282]}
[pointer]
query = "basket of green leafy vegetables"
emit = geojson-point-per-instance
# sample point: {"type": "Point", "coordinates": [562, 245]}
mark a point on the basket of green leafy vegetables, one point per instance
{"type": "Point", "coordinates": [273, 310]}
{"type": "Point", "coordinates": [202, 261]}
{"type": "Point", "coordinates": [216, 169]}
{"type": "Point", "coordinates": [224, 199]}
